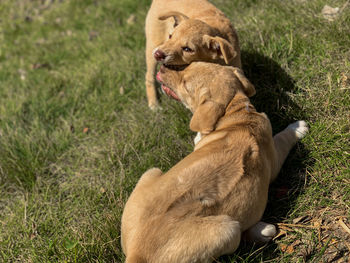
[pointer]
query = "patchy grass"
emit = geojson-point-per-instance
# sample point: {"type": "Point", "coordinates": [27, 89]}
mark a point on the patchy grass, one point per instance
{"type": "Point", "coordinates": [76, 133]}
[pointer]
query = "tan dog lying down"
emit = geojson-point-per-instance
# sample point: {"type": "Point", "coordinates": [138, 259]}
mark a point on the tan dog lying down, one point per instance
{"type": "Point", "coordinates": [181, 31]}
{"type": "Point", "coordinates": [198, 209]}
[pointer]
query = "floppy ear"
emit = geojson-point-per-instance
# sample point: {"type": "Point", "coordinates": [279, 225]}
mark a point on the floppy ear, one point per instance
{"type": "Point", "coordinates": [206, 116]}
{"type": "Point", "coordinates": [248, 87]}
{"type": "Point", "coordinates": [220, 48]}
{"type": "Point", "coordinates": [178, 17]}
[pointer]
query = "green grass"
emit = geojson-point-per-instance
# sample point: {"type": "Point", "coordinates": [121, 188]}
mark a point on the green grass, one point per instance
{"type": "Point", "coordinates": [76, 132]}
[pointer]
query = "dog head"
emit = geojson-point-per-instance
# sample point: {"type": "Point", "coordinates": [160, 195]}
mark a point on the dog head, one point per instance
{"type": "Point", "coordinates": [192, 40]}
{"type": "Point", "coordinates": [206, 89]}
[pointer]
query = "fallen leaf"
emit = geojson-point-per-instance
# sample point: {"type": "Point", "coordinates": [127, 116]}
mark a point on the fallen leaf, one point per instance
{"type": "Point", "coordinates": [131, 20]}
{"type": "Point", "coordinates": [330, 13]}
{"type": "Point", "coordinates": [22, 74]}
{"type": "Point", "coordinates": [28, 19]}
{"type": "Point", "coordinates": [287, 248]}
{"type": "Point", "coordinates": [345, 81]}
{"type": "Point", "coordinates": [41, 65]}
{"type": "Point", "coordinates": [86, 130]}
{"type": "Point", "coordinates": [318, 225]}
{"type": "Point", "coordinates": [121, 90]}
{"type": "Point", "coordinates": [93, 35]}
{"type": "Point", "coordinates": [296, 243]}
{"type": "Point", "coordinates": [40, 41]}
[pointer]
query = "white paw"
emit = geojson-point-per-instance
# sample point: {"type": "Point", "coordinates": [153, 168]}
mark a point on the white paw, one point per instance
{"type": "Point", "coordinates": [261, 232]}
{"type": "Point", "coordinates": [155, 107]}
{"type": "Point", "coordinates": [268, 230]}
{"type": "Point", "coordinates": [300, 128]}
{"type": "Point", "coordinates": [197, 138]}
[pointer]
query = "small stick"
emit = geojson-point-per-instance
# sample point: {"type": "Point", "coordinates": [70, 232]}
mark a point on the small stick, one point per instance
{"type": "Point", "coordinates": [344, 6]}
{"type": "Point", "coordinates": [303, 226]}
{"type": "Point", "coordinates": [281, 233]}
{"type": "Point", "coordinates": [344, 226]}
{"type": "Point", "coordinates": [347, 244]}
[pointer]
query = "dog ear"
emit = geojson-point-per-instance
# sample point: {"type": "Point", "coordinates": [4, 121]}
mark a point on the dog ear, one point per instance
{"type": "Point", "coordinates": [178, 17]}
{"type": "Point", "coordinates": [220, 48]}
{"type": "Point", "coordinates": [206, 116]}
{"type": "Point", "coordinates": [248, 87]}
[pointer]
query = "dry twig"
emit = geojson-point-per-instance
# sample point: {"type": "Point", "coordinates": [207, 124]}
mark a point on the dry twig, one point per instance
{"type": "Point", "coordinates": [302, 226]}
{"type": "Point", "coordinates": [343, 225]}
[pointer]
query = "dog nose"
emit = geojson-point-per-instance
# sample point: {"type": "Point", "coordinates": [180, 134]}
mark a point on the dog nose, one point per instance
{"type": "Point", "coordinates": [159, 55]}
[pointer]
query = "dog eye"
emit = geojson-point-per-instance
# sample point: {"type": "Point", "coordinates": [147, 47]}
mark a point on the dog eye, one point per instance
{"type": "Point", "coordinates": [170, 36]}
{"type": "Point", "coordinates": [187, 49]}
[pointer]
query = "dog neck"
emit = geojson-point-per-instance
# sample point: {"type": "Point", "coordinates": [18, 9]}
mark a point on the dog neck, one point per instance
{"type": "Point", "coordinates": [236, 113]}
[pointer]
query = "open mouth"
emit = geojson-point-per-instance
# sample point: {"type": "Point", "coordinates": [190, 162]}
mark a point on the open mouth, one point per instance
{"type": "Point", "coordinates": [175, 67]}
{"type": "Point", "coordinates": [168, 91]}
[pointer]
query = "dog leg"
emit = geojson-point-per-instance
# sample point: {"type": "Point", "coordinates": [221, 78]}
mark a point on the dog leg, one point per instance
{"type": "Point", "coordinates": [203, 239]}
{"type": "Point", "coordinates": [285, 140]}
{"type": "Point", "coordinates": [150, 78]}
{"type": "Point", "coordinates": [133, 208]}
{"type": "Point", "coordinates": [154, 30]}
{"type": "Point", "coordinates": [260, 233]}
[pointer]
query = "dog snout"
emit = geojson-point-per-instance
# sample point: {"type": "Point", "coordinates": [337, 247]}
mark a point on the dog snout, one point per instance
{"type": "Point", "coordinates": [159, 55]}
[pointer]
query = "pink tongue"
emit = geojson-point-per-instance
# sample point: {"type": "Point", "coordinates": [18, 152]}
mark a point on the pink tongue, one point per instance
{"type": "Point", "coordinates": [170, 93]}
{"type": "Point", "coordinates": [167, 91]}
{"type": "Point", "coordinates": [158, 77]}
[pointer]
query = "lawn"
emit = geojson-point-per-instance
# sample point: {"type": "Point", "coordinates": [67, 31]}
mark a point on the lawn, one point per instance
{"type": "Point", "coordinates": [76, 132]}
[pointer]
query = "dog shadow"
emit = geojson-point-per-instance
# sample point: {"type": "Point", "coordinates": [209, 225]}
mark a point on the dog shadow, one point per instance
{"type": "Point", "coordinates": [273, 86]}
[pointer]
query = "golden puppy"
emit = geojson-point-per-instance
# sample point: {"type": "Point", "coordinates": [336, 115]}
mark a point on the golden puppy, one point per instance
{"type": "Point", "coordinates": [198, 209]}
{"type": "Point", "coordinates": [181, 31]}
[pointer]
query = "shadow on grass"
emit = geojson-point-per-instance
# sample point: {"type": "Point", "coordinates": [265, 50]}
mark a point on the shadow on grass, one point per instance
{"type": "Point", "coordinates": [273, 84]}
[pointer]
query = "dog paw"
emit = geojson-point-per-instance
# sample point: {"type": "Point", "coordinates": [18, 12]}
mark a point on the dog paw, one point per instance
{"type": "Point", "coordinates": [300, 128]}
{"type": "Point", "coordinates": [261, 232]}
{"type": "Point", "coordinates": [267, 230]}
{"type": "Point", "coordinates": [155, 107]}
